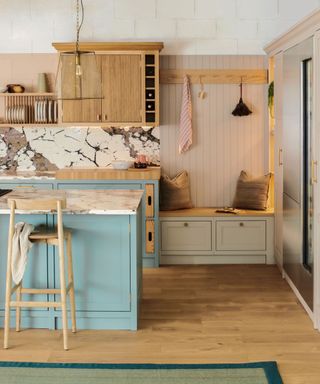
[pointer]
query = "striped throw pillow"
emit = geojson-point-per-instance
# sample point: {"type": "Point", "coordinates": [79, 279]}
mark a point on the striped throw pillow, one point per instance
{"type": "Point", "coordinates": [252, 193]}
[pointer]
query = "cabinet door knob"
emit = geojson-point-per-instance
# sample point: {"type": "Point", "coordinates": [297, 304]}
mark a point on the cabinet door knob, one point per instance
{"type": "Point", "coordinates": [241, 224]}
{"type": "Point", "coordinates": [186, 224]}
{"type": "Point", "coordinates": [98, 117]}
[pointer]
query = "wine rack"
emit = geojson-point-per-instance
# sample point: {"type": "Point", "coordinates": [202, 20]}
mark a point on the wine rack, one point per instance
{"type": "Point", "coordinates": [151, 88]}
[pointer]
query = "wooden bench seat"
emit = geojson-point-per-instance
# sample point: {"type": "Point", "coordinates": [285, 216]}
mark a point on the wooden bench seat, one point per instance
{"type": "Point", "coordinates": [211, 212]}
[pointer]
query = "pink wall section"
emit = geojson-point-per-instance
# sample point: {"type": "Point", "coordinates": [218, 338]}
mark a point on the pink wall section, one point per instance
{"type": "Point", "coordinates": [24, 68]}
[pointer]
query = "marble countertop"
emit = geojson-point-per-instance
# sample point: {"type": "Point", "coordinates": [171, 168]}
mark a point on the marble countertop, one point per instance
{"type": "Point", "coordinates": [97, 202]}
{"type": "Point", "coordinates": [28, 175]}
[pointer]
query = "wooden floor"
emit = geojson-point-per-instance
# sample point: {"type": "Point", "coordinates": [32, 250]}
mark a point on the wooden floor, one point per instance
{"type": "Point", "coordinates": [197, 314]}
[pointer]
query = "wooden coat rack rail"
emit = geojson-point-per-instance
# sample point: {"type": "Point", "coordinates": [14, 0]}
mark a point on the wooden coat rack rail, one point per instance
{"type": "Point", "coordinates": [214, 76]}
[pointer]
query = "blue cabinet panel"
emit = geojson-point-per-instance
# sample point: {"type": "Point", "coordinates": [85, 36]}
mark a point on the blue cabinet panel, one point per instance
{"type": "Point", "coordinates": [101, 259]}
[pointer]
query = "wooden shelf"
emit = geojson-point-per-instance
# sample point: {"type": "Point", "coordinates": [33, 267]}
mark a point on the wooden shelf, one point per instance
{"type": "Point", "coordinates": [110, 46]}
{"type": "Point", "coordinates": [214, 76]}
{"type": "Point", "coordinates": [26, 94]}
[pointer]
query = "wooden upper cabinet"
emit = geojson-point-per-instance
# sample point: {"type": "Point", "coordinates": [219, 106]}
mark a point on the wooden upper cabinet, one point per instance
{"type": "Point", "coordinates": [130, 85]}
{"type": "Point", "coordinates": [87, 110]}
{"type": "Point", "coordinates": [122, 85]}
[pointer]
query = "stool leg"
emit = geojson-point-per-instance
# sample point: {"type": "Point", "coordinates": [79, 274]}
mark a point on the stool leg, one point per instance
{"type": "Point", "coordinates": [63, 298]}
{"type": "Point", "coordinates": [18, 309]}
{"type": "Point", "coordinates": [7, 305]}
{"type": "Point", "coordinates": [71, 281]}
{"type": "Point", "coordinates": [8, 279]}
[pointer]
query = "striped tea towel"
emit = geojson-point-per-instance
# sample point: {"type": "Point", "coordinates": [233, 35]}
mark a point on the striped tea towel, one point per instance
{"type": "Point", "coordinates": [185, 134]}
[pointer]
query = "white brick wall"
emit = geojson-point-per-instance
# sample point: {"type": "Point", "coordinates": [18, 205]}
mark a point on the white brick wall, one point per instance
{"type": "Point", "coordinates": [196, 29]}
{"type": "Point", "coordinates": [216, 8]}
{"type": "Point", "coordinates": [127, 9]}
{"type": "Point", "coordinates": [176, 8]}
{"type": "Point", "coordinates": [154, 28]}
{"type": "Point", "coordinates": [259, 9]}
{"type": "Point", "coordinates": [240, 28]}
{"type": "Point", "coordinates": [185, 26]}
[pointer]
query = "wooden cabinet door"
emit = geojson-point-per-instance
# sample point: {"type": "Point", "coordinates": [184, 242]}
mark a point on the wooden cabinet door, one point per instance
{"type": "Point", "coordinates": [121, 79]}
{"type": "Point", "coordinates": [87, 110]}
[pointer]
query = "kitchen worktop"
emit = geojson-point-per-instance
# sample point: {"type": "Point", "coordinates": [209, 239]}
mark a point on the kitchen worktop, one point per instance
{"type": "Point", "coordinates": [150, 173]}
{"type": "Point", "coordinates": [98, 202]}
{"type": "Point", "coordinates": [27, 175]}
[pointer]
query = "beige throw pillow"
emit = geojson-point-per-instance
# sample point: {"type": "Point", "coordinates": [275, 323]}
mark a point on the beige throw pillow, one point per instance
{"type": "Point", "coordinates": [175, 193]}
{"type": "Point", "coordinates": [252, 193]}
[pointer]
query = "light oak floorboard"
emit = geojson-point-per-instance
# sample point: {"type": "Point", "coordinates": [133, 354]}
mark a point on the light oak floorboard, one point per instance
{"type": "Point", "coordinates": [197, 314]}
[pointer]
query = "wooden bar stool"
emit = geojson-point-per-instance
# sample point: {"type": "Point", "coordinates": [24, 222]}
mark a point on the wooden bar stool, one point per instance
{"type": "Point", "coordinates": [52, 237]}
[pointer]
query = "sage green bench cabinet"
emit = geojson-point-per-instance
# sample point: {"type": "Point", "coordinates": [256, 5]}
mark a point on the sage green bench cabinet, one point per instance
{"type": "Point", "coordinates": [189, 235]}
{"type": "Point", "coordinates": [214, 239]}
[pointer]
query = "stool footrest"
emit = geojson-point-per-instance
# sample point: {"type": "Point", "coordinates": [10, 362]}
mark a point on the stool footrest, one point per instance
{"type": "Point", "coordinates": [41, 291]}
{"type": "Point", "coordinates": [35, 304]}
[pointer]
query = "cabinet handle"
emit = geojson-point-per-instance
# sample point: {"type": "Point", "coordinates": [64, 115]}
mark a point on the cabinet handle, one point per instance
{"type": "Point", "coordinates": [185, 224]}
{"type": "Point", "coordinates": [280, 157]}
{"type": "Point", "coordinates": [98, 117]}
{"type": "Point", "coordinates": [149, 200]}
{"type": "Point", "coordinates": [149, 236]}
{"type": "Point", "coordinates": [105, 117]}
{"type": "Point", "coordinates": [241, 224]}
{"type": "Point", "coordinates": [314, 178]}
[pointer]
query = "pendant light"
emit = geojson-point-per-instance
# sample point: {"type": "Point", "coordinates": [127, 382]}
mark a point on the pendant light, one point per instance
{"type": "Point", "coordinates": [241, 108]}
{"type": "Point", "coordinates": [80, 75]}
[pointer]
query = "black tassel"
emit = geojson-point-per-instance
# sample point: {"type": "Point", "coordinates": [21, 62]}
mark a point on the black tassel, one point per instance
{"type": "Point", "coordinates": [241, 109]}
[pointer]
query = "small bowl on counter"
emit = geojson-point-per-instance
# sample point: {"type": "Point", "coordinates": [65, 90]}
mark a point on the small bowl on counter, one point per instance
{"type": "Point", "coordinates": [121, 164]}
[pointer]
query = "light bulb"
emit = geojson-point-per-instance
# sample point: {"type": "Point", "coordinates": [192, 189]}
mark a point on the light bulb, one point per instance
{"type": "Point", "coordinates": [78, 70]}
{"type": "Point", "coordinates": [78, 65]}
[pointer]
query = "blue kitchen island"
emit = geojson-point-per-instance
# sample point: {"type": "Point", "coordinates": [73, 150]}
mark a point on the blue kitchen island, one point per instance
{"type": "Point", "coordinates": [107, 258]}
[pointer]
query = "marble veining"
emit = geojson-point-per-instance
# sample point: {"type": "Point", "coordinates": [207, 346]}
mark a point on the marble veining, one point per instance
{"type": "Point", "coordinates": [84, 202]}
{"type": "Point", "coordinates": [51, 148]}
{"type": "Point", "coordinates": [28, 175]}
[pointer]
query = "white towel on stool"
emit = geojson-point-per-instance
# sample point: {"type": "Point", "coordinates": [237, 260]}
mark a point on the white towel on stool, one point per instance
{"type": "Point", "coordinates": [185, 134]}
{"type": "Point", "coordinates": [20, 247]}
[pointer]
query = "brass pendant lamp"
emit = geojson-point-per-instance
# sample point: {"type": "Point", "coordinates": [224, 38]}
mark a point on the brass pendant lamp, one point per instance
{"type": "Point", "coordinates": [80, 76]}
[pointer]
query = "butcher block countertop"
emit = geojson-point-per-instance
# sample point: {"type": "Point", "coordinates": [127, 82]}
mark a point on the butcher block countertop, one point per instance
{"type": "Point", "coordinates": [150, 173]}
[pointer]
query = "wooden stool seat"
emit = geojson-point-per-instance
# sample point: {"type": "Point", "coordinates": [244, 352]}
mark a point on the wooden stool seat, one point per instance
{"type": "Point", "coordinates": [51, 236]}
{"type": "Point", "coordinates": [47, 234]}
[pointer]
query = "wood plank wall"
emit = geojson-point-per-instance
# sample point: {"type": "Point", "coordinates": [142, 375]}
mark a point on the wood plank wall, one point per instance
{"type": "Point", "coordinates": [223, 145]}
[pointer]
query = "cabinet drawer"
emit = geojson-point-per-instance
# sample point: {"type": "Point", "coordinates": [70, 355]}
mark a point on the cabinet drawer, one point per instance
{"type": "Point", "coordinates": [186, 236]}
{"type": "Point", "coordinates": [150, 236]}
{"type": "Point", "coordinates": [149, 200]}
{"type": "Point", "coordinates": [241, 235]}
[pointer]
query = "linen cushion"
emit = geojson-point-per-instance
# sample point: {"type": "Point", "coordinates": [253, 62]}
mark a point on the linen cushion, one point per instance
{"type": "Point", "coordinates": [175, 193]}
{"type": "Point", "coordinates": [252, 193]}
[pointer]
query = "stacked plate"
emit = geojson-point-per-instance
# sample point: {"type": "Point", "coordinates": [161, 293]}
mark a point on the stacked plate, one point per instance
{"type": "Point", "coordinates": [45, 111]}
{"type": "Point", "coordinates": [17, 114]}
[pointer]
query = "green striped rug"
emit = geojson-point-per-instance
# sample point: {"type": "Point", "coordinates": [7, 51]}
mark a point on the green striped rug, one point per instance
{"type": "Point", "coordinates": [52, 373]}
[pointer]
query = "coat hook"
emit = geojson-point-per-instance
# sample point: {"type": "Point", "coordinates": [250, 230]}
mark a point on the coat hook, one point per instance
{"type": "Point", "coordinates": [202, 94]}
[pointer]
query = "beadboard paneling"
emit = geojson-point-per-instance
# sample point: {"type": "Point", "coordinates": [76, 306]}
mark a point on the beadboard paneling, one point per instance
{"type": "Point", "coordinates": [223, 145]}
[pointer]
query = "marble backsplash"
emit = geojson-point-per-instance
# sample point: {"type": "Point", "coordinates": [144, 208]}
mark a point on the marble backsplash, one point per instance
{"type": "Point", "coordinates": [45, 148]}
